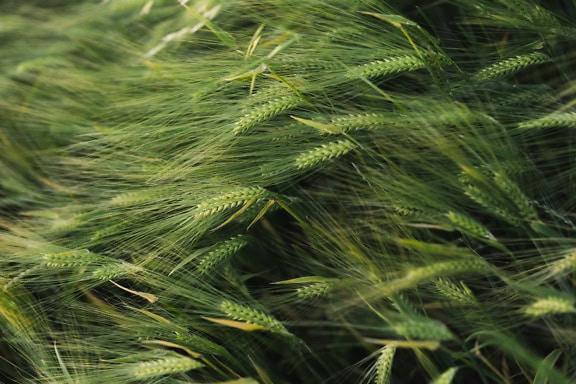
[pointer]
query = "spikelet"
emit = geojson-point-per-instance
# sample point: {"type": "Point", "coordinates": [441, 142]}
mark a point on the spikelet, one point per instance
{"type": "Point", "coordinates": [114, 270]}
{"type": "Point", "coordinates": [566, 119]}
{"type": "Point", "coordinates": [72, 258]}
{"type": "Point", "coordinates": [459, 294]}
{"type": "Point", "coordinates": [385, 67]}
{"type": "Point", "coordinates": [235, 198]}
{"type": "Point", "coordinates": [249, 315]}
{"type": "Point", "coordinates": [510, 66]}
{"type": "Point", "coordinates": [315, 290]}
{"type": "Point", "coordinates": [220, 253]}
{"type": "Point", "coordinates": [469, 226]}
{"type": "Point", "coordinates": [446, 377]}
{"type": "Point", "coordinates": [423, 329]}
{"type": "Point", "coordinates": [266, 112]}
{"type": "Point", "coordinates": [512, 190]}
{"type": "Point", "coordinates": [324, 153]}
{"type": "Point", "coordinates": [383, 365]}
{"type": "Point", "coordinates": [550, 306]}
{"type": "Point", "coordinates": [163, 366]}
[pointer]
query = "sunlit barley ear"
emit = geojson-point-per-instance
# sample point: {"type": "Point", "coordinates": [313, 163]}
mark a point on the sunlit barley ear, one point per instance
{"type": "Point", "coordinates": [564, 119]}
{"type": "Point", "coordinates": [72, 258]}
{"type": "Point", "coordinates": [227, 200]}
{"type": "Point", "coordinates": [115, 270]}
{"type": "Point", "coordinates": [446, 377]}
{"type": "Point", "coordinates": [386, 66]}
{"type": "Point", "coordinates": [564, 265]}
{"type": "Point", "coordinates": [244, 313]}
{"type": "Point", "coordinates": [265, 112]}
{"type": "Point", "coordinates": [350, 123]}
{"type": "Point", "coordinates": [550, 306]}
{"type": "Point", "coordinates": [315, 290]}
{"type": "Point", "coordinates": [383, 365]}
{"type": "Point", "coordinates": [160, 367]}
{"type": "Point", "coordinates": [324, 153]}
{"type": "Point", "coordinates": [456, 293]}
{"type": "Point", "coordinates": [446, 268]}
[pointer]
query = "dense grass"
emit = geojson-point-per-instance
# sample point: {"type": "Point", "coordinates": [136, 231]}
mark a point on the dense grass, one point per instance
{"type": "Point", "coordinates": [271, 191]}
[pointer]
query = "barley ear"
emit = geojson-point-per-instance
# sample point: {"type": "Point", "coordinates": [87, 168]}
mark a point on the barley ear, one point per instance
{"type": "Point", "coordinates": [446, 268]}
{"type": "Point", "coordinates": [315, 290]}
{"type": "Point", "coordinates": [164, 366]}
{"type": "Point", "coordinates": [563, 265]}
{"type": "Point", "coordinates": [265, 112]}
{"type": "Point", "coordinates": [324, 153]}
{"type": "Point", "coordinates": [201, 344]}
{"type": "Point", "coordinates": [424, 329]}
{"type": "Point", "coordinates": [220, 253]}
{"type": "Point", "coordinates": [252, 316]}
{"type": "Point", "coordinates": [72, 258]}
{"type": "Point", "coordinates": [469, 226]}
{"type": "Point", "coordinates": [566, 119]}
{"type": "Point", "coordinates": [493, 204]}
{"type": "Point", "coordinates": [357, 122]}
{"type": "Point", "coordinates": [512, 190]}
{"type": "Point", "coordinates": [510, 66]}
{"type": "Point", "coordinates": [550, 306]}
{"type": "Point", "coordinates": [115, 270]}
{"type": "Point", "coordinates": [446, 377]}
{"type": "Point", "coordinates": [383, 365]}
{"type": "Point", "coordinates": [459, 294]}
{"type": "Point", "coordinates": [386, 67]}
{"type": "Point", "coordinates": [227, 200]}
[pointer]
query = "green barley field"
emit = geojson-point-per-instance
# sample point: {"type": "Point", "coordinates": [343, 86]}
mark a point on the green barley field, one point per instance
{"type": "Point", "coordinates": [287, 191]}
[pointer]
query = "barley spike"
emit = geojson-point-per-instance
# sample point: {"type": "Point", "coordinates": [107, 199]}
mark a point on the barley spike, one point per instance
{"type": "Point", "coordinates": [383, 365]}
{"type": "Point", "coordinates": [324, 153]}
{"type": "Point", "coordinates": [243, 313]}
{"type": "Point", "coordinates": [510, 66]}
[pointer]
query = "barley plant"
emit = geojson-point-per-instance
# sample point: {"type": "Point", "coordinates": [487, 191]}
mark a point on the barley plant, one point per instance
{"type": "Point", "coordinates": [274, 191]}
